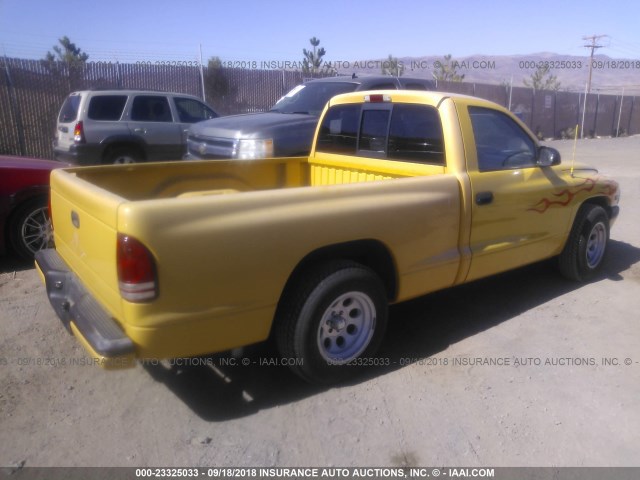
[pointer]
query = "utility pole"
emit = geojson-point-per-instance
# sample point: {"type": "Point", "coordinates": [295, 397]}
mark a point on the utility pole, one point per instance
{"type": "Point", "coordinates": [592, 46]}
{"type": "Point", "coordinates": [204, 95]}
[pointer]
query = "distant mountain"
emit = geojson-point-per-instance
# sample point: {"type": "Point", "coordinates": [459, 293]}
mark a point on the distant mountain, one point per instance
{"type": "Point", "coordinates": [609, 75]}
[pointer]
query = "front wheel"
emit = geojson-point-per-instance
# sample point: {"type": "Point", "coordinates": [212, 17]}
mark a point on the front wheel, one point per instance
{"type": "Point", "coordinates": [586, 246]}
{"type": "Point", "coordinates": [334, 317]}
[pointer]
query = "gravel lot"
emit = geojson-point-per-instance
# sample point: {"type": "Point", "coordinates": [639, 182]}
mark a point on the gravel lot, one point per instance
{"type": "Point", "coordinates": [562, 393]}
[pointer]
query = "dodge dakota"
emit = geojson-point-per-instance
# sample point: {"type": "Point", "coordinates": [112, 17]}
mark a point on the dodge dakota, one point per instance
{"type": "Point", "coordinates": [403, 193]}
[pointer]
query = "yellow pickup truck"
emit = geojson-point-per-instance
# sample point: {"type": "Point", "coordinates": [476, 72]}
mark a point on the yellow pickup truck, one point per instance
{"type": "Point", "coordinates": [403, 193]}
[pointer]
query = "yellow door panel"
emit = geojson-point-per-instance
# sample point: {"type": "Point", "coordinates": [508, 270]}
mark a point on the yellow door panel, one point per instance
{"type": "Point", "coordinates": [509, 227]}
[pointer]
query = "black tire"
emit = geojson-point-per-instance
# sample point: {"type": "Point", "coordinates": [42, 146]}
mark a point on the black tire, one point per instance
{"type": "Point", "coordinates": [30, 228]}
{"type": "Point", "coordinates": [335, 315]}
{"type": "Point", "coordinates": [122, 155]}
{"type": "Point", "coordinates": [586, 247]}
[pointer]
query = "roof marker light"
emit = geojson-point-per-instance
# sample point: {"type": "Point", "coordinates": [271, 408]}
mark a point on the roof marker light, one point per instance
{"type": "Point", "coordinates": [377, 98]}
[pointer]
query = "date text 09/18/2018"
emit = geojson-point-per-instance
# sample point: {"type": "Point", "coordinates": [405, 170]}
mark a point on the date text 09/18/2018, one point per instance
{"type": "Point", "coordinates": [579, 64]}
{"type": "Point", "coordinates": [314, 472]}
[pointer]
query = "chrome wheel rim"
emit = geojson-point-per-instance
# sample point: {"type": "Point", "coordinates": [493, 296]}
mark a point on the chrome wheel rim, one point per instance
{"type": "Point", "coordinates": [36, 231]}
{"type": "Point", "coordinates": [596, 244]}
{"type": "Point", "coordinates": [346, 327]}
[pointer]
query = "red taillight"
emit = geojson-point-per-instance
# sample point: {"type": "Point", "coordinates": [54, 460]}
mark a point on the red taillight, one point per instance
{"type": "Point", "coordinates": [136, 270]}
{"type": "Point", "coordinates": [78, 133]}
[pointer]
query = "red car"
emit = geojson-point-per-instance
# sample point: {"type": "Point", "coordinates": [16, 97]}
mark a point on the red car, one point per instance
{"type": "Point", "coordinates": [24, 194]}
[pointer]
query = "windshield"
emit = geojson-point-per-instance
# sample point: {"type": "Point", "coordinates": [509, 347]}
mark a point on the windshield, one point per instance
{"type": "Point", "coordinates": [311, 98]}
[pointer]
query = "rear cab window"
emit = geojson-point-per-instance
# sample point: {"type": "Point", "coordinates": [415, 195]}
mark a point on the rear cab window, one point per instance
{"type": "Point", "coordinates": [374, 127]}
{"type": "Point", "coordinates": [415, 134]}
{"type": "Point", "coordinates": [402, 131]}
{"type": "Point", "coordinates": [339, 130]}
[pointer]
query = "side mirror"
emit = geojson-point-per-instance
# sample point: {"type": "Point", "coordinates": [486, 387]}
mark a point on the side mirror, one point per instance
{"type": "Point", "coordinates": [548, 157]}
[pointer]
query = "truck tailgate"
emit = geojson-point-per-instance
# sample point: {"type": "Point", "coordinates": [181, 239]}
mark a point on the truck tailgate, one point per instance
{"type": "Point", "coordinates": [84, 220]}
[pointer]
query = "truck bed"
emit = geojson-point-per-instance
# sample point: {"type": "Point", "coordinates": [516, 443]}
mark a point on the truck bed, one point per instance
{"type": "Point", "coordinates": [189, 179]}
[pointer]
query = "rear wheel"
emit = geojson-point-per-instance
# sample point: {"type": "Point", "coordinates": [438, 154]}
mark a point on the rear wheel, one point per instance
{"type": "Point", "coordinates": [334, 317]}
{"type": "Point", "coordinates": [30, 228]}
{"type": "Point", "coordinates": [586, 247]}
{"type": "Point", "coordinates": [122, 155]}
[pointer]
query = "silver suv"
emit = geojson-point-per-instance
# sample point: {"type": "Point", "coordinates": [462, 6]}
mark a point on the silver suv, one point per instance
{"type": "Point", "coordinates": [125, 126]}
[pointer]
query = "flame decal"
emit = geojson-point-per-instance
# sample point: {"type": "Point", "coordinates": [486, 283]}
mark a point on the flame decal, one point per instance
{"type": "Point", "coordinates": [564, 197]}
{"type": "Point", "coordinates": [609, 188]}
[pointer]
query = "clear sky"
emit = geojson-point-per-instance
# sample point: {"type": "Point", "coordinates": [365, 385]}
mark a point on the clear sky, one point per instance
{"type": "Point", "coordinates": [130, 31]}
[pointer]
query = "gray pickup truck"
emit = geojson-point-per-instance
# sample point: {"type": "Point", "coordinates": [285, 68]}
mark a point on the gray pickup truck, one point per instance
{"type": "Point", "coordinates": [287, 129]}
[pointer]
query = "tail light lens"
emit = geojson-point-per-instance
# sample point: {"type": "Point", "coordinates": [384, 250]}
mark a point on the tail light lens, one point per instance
{"type": "Point", "coordinates": [137, 277]}
{"type": "Point", "coordinates": [78, 133]}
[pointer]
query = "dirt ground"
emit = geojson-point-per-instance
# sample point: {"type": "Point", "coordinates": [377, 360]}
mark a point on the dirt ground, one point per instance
{"type": "Point", "coordinates": [523, 369]}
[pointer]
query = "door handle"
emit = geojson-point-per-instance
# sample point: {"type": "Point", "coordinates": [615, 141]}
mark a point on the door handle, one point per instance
{"type": "Point", "coordinates": [484, 198]}
{"type": "Point", "coordinates": [140, 130]}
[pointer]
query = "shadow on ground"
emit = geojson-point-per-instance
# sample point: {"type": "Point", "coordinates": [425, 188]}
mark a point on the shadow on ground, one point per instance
{"type": "Point", "coordinates": [11, 263]}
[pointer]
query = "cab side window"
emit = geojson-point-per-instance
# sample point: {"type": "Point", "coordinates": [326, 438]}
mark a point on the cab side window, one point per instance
{"type": "Point", "coordinates": [500, 142]}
